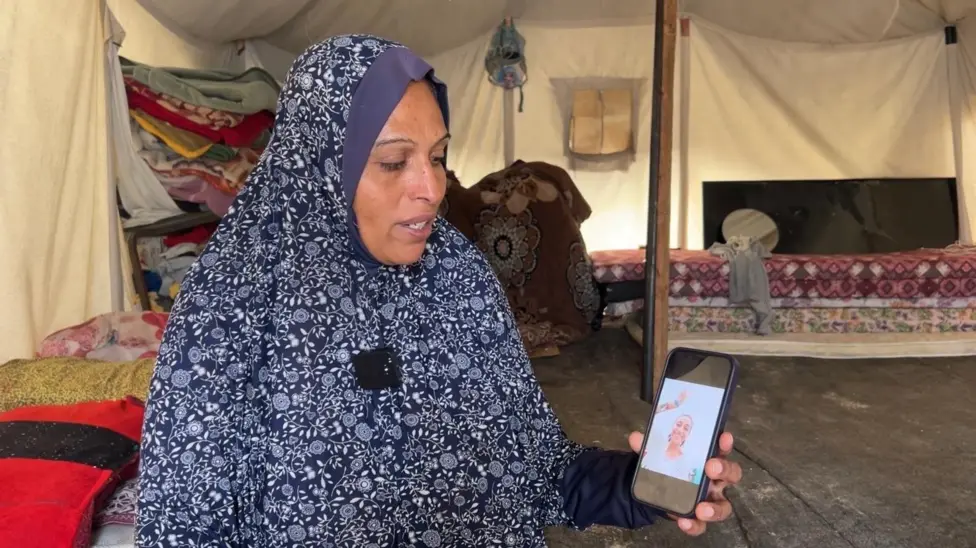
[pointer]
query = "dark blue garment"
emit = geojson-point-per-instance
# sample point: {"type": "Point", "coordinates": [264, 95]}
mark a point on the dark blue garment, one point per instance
{"type": "Point", "coordinates": [596, 491]}
{"type": "Point", "coordinates": [257, 433]}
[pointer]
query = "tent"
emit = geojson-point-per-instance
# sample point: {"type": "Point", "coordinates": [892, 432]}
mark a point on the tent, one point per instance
{"type": "Point", "coordinates": [765, 89]}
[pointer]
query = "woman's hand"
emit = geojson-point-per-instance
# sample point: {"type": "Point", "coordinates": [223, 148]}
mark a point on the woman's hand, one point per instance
{"type": "Point", "coordinates": [722, 473]}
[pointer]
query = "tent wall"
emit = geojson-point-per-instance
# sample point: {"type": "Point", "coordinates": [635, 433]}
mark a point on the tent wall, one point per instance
{"type": "Point", "coordinates": [560, 59]}
{"type": "Point", "coordinates": [757, 109]}
{"type": "Point", "coordinates": [149, 41]}
{"type": "Point", "coordinates": [57, 218]}
{"type": "Point", "coordinates": [769, 110]}
{"type": "Point", "coordinates": [557, 56]}
{"type": "Point", "coordinates": [963, 76]}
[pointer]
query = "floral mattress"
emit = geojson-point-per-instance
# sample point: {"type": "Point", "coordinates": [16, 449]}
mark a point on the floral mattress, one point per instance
{"type": "Point", "coordinates": [824, 320]}
{"type": "Point", "coordinates": [940, 277]}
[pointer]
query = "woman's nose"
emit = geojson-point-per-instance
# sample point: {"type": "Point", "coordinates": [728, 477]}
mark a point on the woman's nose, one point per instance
{"type": "Point", "coordinates": [427, 185]}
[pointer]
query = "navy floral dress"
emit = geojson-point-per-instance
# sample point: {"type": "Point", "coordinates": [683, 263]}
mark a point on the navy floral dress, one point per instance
{"type": "Point", "coordinates": [256, 431]}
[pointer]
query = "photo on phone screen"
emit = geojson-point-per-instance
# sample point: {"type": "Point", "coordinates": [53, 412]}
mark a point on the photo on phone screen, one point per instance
{"type": "Point", "coordinates": [683, 430]}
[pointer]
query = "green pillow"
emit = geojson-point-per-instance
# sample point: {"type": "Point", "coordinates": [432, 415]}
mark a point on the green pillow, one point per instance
{"type": "Point", "coordinates": [60, 381]}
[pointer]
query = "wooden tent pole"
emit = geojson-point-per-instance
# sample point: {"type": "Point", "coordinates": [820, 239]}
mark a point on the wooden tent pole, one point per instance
{"type": "Point", "coordinates": [657, 260]}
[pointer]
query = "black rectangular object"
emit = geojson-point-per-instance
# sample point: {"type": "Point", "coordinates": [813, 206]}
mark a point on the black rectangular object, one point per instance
{"type": "Point", "coordinates": [377, 369]}
{"type": "Point", "coordinates": [950, 35]}
{"type": "Point", "coordinates": [841, 217]}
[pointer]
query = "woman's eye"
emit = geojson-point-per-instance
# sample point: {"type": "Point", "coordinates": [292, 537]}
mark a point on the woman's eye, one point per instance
{"type": "Point", "coordinates": [440, 160]}
{"type": "Point", "coordinates": [392, 166]}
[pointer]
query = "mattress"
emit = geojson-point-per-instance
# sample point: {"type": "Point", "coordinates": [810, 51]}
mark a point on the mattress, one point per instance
{"type": "Point", "coordinates": [824, 320]}
{"type": "Point", "coordinates": [942, 276]}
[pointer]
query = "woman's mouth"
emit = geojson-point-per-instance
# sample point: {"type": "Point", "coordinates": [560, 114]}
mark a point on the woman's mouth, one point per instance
{"type": "Point", "coordinates": [418, 229]}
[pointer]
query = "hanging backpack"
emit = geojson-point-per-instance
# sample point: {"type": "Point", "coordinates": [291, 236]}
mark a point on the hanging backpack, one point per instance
{"type": "Point", "coordinates": [505, 60]}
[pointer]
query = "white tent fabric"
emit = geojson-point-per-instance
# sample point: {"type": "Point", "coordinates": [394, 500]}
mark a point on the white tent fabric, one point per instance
{"type": "Point", "coordinates": [57, 209]}
{"type": "Point", "coordinates": [139, 189]}
{"type": "Point", "coordinates": [962, 70]}
{"type": "Point", "coordinates": [557, 57]}
{"type": "Point", "coordinates": [149, 41]}
{"type": "Point", "coordinates": [766, 89]}
{"type": "Point", "coordinates": [433, 26]}
{"type": "Point", "coordinates": [768, 110]}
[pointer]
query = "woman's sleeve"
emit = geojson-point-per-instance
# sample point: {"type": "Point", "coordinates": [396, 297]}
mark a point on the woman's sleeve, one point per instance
{"type": "Point", "coordinates": [572, 484]}
{"type": "Point", "coordinates": [193, 453]}
{"type": "Point", "coordinates": [596, 491]}
{"type": "Point", "coordinates": [586, 486]}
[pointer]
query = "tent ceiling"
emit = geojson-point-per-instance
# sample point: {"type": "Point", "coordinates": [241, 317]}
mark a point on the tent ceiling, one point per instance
{"type": "Point", "coordinates": [432, 26]}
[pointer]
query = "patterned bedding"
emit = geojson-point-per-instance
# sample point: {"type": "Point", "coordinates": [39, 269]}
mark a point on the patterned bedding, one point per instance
{"type": "Point", "coordinates": [825, 320]}
{"type": "Point", "coordinates": [940, 276]}
{"type": "Point", "coordinates": [114, 525]}
{"type": "Point", "coordinates": [114, 337]}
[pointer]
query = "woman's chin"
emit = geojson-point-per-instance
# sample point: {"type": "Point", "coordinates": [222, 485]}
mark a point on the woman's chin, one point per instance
{"type": "Point", "coordinates": [407, 255]}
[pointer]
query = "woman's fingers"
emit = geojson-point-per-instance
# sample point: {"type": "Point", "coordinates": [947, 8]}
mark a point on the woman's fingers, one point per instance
{"type": "Point", "coordinates": [721, 469]}
{"type": "Point", "coordinates": [693, 527]}
{"type": "Point", "coordinates": [714, 511]}
{"type": "Point", "coordinates": [636, 440]}
{"type": "Point", "coordinates": [725, 444]}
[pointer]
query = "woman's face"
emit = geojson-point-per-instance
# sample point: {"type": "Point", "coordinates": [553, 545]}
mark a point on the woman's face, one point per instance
{"type": "Point", "coordinates": [404, 180]}
{"type": "Point", "coordinates": [680, 430]}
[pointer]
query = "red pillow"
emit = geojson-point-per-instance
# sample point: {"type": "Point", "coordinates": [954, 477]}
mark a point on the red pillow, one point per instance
{"type": "Point", "coordinates": [58, 465]}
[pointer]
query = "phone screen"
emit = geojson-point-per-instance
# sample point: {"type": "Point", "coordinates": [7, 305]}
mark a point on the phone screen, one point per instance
{"type": "Point", "coordinates": [682, 431]}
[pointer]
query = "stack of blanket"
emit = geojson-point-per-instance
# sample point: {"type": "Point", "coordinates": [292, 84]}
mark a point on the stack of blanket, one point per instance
{"type": "Point", "coordinates": [200, 131]}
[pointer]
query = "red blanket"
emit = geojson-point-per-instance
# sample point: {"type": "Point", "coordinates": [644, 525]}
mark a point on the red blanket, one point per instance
{"type": "Point", "coordinates": [58, 465]}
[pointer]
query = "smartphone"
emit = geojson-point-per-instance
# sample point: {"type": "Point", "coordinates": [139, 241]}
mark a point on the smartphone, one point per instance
{"type": "Point", "coordinates": [689, 414]}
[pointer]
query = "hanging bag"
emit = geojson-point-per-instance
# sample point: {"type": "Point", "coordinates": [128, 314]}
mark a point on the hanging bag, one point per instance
{"type": "Point", "coordinates": [505, 60]}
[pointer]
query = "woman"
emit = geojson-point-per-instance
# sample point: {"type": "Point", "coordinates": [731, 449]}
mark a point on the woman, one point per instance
{"type": "Point", "coordinates": [673, 462]}
{"type": "Point", "coordinates": [341, 368]}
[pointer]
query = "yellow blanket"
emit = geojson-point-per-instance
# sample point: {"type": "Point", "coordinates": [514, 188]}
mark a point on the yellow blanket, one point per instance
{"type": "Point", "coordinates": [185, 143]}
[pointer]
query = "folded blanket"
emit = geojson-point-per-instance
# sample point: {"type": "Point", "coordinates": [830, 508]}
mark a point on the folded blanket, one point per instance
{"type": "Point", "coordinates": [227, 177]}
{"type": "Point", "coordinates": [247, 133]}
{"type": "Point", "coordinates": [248, 92]}
{"type": "Point", "coordinates": [185, 143]}
{"type": "Point", "coordinates": [69, 380]}
{"type": "Point", "coordinates": [204, 116]}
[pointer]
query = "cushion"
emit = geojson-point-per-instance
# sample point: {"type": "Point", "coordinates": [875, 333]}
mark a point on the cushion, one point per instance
{"type": "Point", "coordinates": [59, 381]}
{"type": "Point", "coordinates": [114, 337]}
{"type": "Point", "coordinates": [58, 464]}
